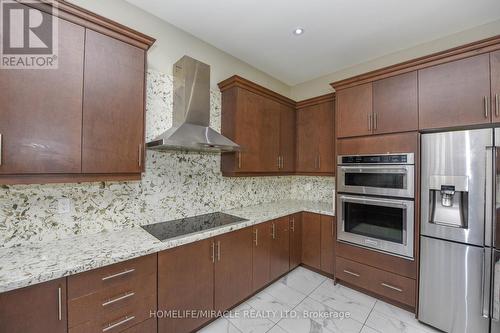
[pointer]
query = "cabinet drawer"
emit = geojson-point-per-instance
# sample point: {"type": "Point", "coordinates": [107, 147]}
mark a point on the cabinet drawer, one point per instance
{"type": "Point", "coordinates": [148, 326]}
{"type": "Point", "coordinates": [101, 278]}
{"type": "Point", "coordinates": [385, 284]}
{"type": "Point", "coordinates": [118, 320]}
{"type": "Point", "coordinates": [125, 295]}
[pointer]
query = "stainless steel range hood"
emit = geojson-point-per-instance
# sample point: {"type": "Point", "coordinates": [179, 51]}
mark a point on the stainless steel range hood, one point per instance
{"type": "Point", "coordinates": [191, 112]}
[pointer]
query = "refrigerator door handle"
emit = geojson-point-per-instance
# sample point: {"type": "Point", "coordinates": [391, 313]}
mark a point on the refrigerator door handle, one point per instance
{"type": "Point", "coordinates": [489, 195]}
{"type": "Point", "coordinates": [485, 284]}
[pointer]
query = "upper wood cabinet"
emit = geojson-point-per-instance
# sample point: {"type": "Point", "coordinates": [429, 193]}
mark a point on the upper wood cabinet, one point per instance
{"type": "Point", "coordinates": [84, 120]}
{"type": "Point", "coordinates": [495, 86]}
{"type": "Point", "coordinates": [384, 106]}
{"type": "Point", "coordinates": [113, 106]}
{"type": "Point", "coordinates": [354, 111]}
{"type": "Point", "coordinates": [395, 105]}
{"type": "Point", "coordinates": [41, 112]}
{"type": "Point", "coordinates": [39, 308]}
{"type": "Point", "coordinates": [262, 123]}
{"type": "Point", "coordinates": [315, 136]}
{"type": "Point", "coordinates": [455, 94]}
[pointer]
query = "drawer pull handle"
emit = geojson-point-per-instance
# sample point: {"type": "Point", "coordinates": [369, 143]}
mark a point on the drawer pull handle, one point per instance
{"type": "Point", "coordinates": [120, 298]}
{"type": "Point", "coordinates": [121, 322]}
{"type": "Point", "coordinates": [59, 303]}
{"type": "Point", "coordinates": [109, 277]}
{"type": "Point", "coordinates": [351, 273]}
{"type": "Point", "coordinates": [391, 287]}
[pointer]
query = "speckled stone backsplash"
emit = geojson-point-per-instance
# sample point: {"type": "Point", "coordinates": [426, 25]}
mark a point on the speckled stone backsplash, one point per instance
{"type": "Point", "coordinates": [175, 184]}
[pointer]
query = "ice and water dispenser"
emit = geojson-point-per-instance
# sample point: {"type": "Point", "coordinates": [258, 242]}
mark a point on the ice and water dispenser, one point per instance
{"type": "Point", "coordinates": [449, 200]}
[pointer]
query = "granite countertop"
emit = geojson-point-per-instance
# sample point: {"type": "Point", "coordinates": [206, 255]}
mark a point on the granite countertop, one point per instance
{"type": "Point", "coordinates": [30, 264]}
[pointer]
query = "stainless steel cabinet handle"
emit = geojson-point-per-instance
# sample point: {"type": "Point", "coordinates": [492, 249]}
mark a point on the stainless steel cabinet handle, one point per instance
{"type": "Point", "coordinates": [1, 150]}
{"type": "Point", "coordinates": [391, 287]}
{"type": "Point", "coordinates": [333, 228]}
{"type": "Point", "coordinates": [256, 232]}
{"type": "Point", "coordinates": [319, 161]}
{"type": "Point", "coordinates": [140, 155]}
{"type": "Point", "coordinates": [497, 107]}
{"type": "Point", "coordinates": [121, 322]}
{"type": "Point", "coordinates": [119, 298]}
{"type": "Point", "coordinates": [213, 252]}
{"type": "Point", "coordinates": [351, 273]}
{"type": "Point", "coordinates": [292, 226]}
{"type": "Point", "coordinates": [109, 277]}
{"type": "Point", "coordinates": [59, 303]}
{"type": "Point", "coordinates": [279, 163]}
{"type": "Point", "coordinates": [282, 162]}
{"type": "Point", "coordinates": [274, 231]}
{"type": "Point", "coordinates": [370, 122]}
{"type": "Point", "coordinates": [239, 160]}
{"type": "Point", "coordinates": [485, 99]}
{"type": "Point", "coordinates": [374, 121]}
{"type": "Point", "coordinates": [218, 250]}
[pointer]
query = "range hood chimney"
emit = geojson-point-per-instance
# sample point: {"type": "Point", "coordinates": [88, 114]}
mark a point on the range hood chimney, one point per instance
{"type": "Point", "coordinates": [191, 112]}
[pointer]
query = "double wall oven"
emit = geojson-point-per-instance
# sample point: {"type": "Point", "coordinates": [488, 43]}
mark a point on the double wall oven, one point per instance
{"type": "Point", "coordinates": [375, 202]}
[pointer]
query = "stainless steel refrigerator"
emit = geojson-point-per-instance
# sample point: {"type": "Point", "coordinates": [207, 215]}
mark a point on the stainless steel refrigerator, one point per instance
{"type": "Point", "coordinates": [459, 285]}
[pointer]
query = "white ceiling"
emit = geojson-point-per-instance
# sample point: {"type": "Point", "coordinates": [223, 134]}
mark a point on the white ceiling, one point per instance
{"type": "Point", "coordinates": [338, 33]}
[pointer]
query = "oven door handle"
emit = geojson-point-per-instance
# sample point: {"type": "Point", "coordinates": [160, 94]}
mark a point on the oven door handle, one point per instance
{"type": "Point", "coordinates": [374, 169]}
{"type": "Point", "coordinates": [380, 202]}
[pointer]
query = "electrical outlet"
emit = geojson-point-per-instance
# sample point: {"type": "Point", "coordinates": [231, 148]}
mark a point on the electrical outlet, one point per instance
{"type": "Point", "coordinates": [63, 206]}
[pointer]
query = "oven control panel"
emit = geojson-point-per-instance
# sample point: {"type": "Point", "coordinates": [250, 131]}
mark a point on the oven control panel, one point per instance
{"type": "Point", "coordinates": [377, 159]}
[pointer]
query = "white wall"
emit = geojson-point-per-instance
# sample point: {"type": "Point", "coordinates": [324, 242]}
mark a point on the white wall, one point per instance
{"type": "Point", "coordinates": [322, 86]}
{"type": "Point", "coordinates": [172, 43]}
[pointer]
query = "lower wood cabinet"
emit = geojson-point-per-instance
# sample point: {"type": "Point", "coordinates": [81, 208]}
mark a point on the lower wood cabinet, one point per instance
{"type": "Point", "coordinates": [261, 255]}
{"type": "Point", "coordinates": [280, 247]}
{"type": "Point", "coordinates": [388, 285]}
{"type": "Point", "coordinates": [185, 282]}
{"type": "Point", "coordinates": [328, 236]}
{"type": "Point", "coordinates": [39, 308]}
{"type": "Point", "coordinates": [295, 221]}
{"type": "Point", "coordinates": [233, 268]}
{"type": "Point", "coordinates": [311, 237]}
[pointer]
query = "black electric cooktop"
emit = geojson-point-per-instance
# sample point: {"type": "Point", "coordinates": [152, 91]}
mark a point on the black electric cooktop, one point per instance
{"type": "Point", "coordinates": [188, 225]}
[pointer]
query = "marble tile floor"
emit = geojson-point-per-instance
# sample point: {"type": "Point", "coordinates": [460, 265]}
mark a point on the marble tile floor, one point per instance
{"type": "Point", "coordinates": [306, 302]}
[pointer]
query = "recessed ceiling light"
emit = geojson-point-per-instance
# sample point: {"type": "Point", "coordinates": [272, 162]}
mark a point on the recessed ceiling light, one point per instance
{"type": "Point", "coordinates": [298, 31]}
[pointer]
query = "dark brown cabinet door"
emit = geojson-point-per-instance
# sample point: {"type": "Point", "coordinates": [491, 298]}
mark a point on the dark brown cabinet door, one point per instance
{"type": "Point", "coordinates": [455, 93]}
{"type": "Point", "coordinates": [261, 256]}
{"type": "Point", "coordinates": [39, 308]}
{"type": "Point", "coordinates": [354, 111]}
{"type": "Point", "coordinates": [311, 237]}
{"type": "Point", "coordinates": [495, 85]}
{"type": "Point", "coordinates": [41, 112]}
{"type": "Point", "coordinates": [325, 128]}
{"type": "Point", "coordinates": [185, 282]}
{"type": "Point", "coordinates": [295, 240]}
{"type": "Point", "coordinates": [395, 106]}
{"type": "Point", "coordinates": [328, 236]}
{"type": "Point", "coordinates": [307, 133]}
{"type": "Point", "coordinates": [233, 268]}
{"type": "Point", "coordinates": [280, 247]}
{"type": "Point", "coordinates": [287, 139]}
{"type": "Point", "coordinates": [113, 106]}
{"type": "Point", "coordinates": [258, 122]}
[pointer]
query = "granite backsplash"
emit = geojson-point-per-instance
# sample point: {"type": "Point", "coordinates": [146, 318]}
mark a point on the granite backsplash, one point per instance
{"type": "Point", "coordinates": [174, 185]}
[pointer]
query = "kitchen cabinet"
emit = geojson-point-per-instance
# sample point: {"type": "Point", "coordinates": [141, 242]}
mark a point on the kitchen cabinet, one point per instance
{"type": "Point", "coordinates": [455, 94]}
{"type": "Point", "coordinates": [233, 268]}
{"type": "Point", "coordinates": [280, 247]}
{"type": "Point", "coordinates": [495, 86]}
{"type": "Point", "coordinates": [186, 282]}
{"type": "Point", "coordinates": [261, 255]}
{"type": "Point", "coordinates": [39, 308]}
{"type": "Point", "coordinates": [41, 112]}
{"type": "Point", "coordinates": [84, 120]}
{"type": "Point", "coordinates": [395, 105]}
{"type": "Point", "coordinates": [385, 106]}
{"type": "Point", "coordinates": [354, 111]}
{"type": "Point", "coordinates": [262, 123]}
{"type": "Point", "coordinates": [311, 240]}
{"type": "Point", "coordinates": [315, 136]}
{"type": "Point", "coordinates": [295, 221]}
{"type": "Point", "coordinates": [116, 297]}
{"type": "Point", "coordinates": [328, 236]}
{"type": "Point", "coordinates": [113, 111]}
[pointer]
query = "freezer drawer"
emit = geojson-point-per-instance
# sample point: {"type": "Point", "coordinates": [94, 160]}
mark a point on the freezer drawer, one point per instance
{"type": "Point", "coordinates": [453, 296]}
{"type": "Point", "coordinates": [495, 293]}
